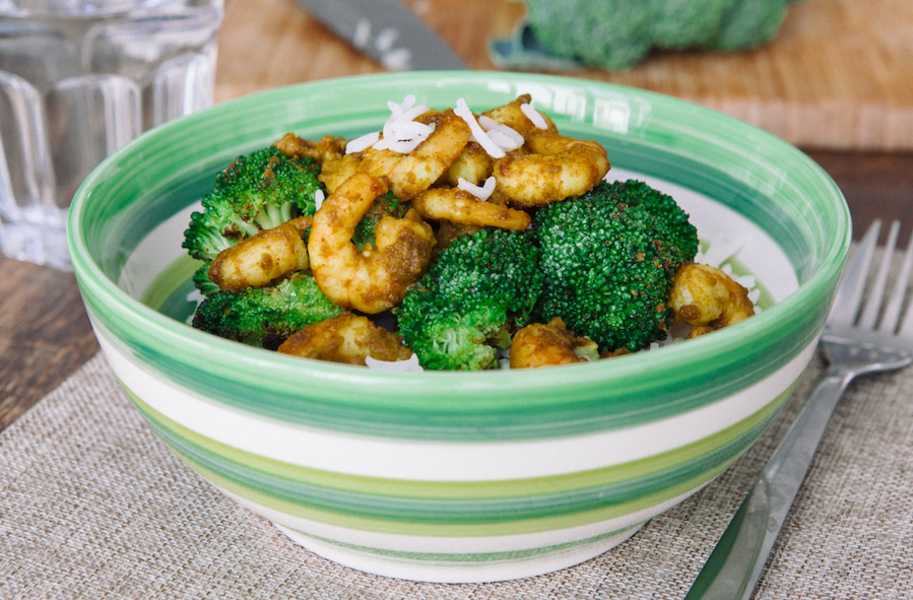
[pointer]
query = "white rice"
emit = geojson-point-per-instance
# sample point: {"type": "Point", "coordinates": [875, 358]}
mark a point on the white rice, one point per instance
{"type": "Point", "coordinates": [482, 193]}
{"type": "Point", "coordinates": [504, 136]}
{"type": "Point", "coordinates": [400, 135]}
{"type": "Point", "coordinates": [401, 132]}
{"type": "Point", "coordinates": [398, 109]}
{"type": "Point", "coordinates": [363, 142]}
{"type": "Point", "coordinates": [410, 365]}
{"type": "Point", "coordinates": [462, 110]}
{"type": "Point", "coordinates": [410, 114]}
{"type": "Point", "coordinates": [533, 115]}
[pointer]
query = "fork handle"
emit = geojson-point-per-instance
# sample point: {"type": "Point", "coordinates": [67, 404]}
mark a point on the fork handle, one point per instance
{"type": "Point", "coordinates": [735, 565]}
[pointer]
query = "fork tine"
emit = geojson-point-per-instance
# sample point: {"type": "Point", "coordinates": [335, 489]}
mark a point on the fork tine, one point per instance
{"type": "Point", "coordinates": [873, 303]}
{"type": "Point", "coordinates": [849, 294]}
{"type": "Point", "coordinates": [905, 325]}
{"type": "Point", "coordinates": [891, 318]}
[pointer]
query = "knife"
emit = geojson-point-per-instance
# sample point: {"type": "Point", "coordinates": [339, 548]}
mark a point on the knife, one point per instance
{"type": "Point", "coordinates": [386, 31]}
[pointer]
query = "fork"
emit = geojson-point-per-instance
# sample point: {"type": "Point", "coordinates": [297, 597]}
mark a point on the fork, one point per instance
{"type": "Point", "coordinates": [854, 343]}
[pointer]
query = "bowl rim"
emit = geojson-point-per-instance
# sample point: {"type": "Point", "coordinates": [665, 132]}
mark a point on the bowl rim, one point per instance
{"type": "Point", "coordinates": [91, 276]}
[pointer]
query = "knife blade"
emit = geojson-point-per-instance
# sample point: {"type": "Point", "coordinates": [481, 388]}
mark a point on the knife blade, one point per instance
{"type": "Point", "coordinates": [386, 31]}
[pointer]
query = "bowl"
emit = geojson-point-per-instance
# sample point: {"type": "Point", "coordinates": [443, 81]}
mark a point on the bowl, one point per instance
{"type": "Point", "coordinates": [458, 477]}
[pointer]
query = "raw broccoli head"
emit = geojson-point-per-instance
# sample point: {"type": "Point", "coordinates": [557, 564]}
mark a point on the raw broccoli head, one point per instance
{"type": "Point", "coordinates": [688, 23]}
{"type": "Point", "coordinates": [265, 316]}
{"type": "Point", "coordinates": [478, 288]}
{"type": "Point", "coordinates": [614, 34]}
{"type": "Point", "coordinates": [749, 23]}
{"type": "Point", "coordinates": [257, 191]}
{"type": "Point", "coordinates": [608, 258]}
{"type": "Point", "coordinates": [388, 204]}
{"type": "Point", "coordinates": [617, 34]}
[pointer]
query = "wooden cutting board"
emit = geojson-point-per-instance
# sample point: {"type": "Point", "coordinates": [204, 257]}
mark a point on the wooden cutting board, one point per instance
{"type": "Point", "coordinates": [840, 75]}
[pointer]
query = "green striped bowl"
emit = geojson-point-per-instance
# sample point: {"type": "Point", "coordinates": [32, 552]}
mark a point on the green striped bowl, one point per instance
{"type": "Point", "coordinates": [462, 476]}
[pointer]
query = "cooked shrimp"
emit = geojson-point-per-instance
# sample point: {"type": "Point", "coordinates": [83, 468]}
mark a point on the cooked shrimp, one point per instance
{"type": "Point", "coordinates": [418, 170]}
{"type": "Point", "coordinates": [708, 299]}
{"type": "Point", "coordinates": [376, 278]}
{"type": "Point", "coordinates": [512, 115]}
{"type": "Point", "coordinates": [543, 345]}
{"type": "Point", "coordinates": [376, 163]}
{"type": "Point", "coordinates": [473, 165]}
{"type": "Point", "coordinates": [335, 172]}
{"type": "Point", "coordinates": [262, 258]}
{"type": "Point", "coordinates": [327, 148]}
{"type": "Point", "coordinates": [346, 339]}
{"type": "Point", "coordinates": [379, 163]}
{"type": "Point", "coordinates": [556, 168]}
{"type": "Point", "coordinates": [457, 206]}
{"type": "Point", "coordinates": [447, 232]}
{"type": "Point", "coordinates": [410, 173]}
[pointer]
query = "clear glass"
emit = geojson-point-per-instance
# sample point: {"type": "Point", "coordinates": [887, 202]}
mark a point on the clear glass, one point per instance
{"type": "Point", "coordinates": [78, 80]}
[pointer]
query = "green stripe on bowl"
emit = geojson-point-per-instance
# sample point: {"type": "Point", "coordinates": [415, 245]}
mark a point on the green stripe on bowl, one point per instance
{"type": "Point", "coordinates": [505, 526]}
{"type": "Point", "coordinates": [590, 404]}
{"type": "Point", "coordinates": [463, 502]}
{"type": "Point", "coordinates": [194, 444]}
{"type": "Point", "coordinates": [472, 557]}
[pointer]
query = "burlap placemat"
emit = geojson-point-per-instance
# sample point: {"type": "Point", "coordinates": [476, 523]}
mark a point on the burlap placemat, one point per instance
{"type": "Point", "coordinates": [93, 506]}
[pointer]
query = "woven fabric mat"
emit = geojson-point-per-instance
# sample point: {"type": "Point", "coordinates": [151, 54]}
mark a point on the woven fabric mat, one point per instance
{"type": "Point", "coordinates": [93, 506]}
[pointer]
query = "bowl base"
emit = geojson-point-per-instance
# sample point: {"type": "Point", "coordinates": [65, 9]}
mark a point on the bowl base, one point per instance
{"type": "Point", "coordinates": [456, 572]}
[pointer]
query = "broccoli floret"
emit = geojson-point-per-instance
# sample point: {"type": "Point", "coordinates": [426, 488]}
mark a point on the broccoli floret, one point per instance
{"type": "Point", "coordinates": [649, 209]}
{"type": "Point", "coordinates": [265, 316]}
{"type": "Point", "coordinates": [257, 191]}
{"type": "Point", "coordinates": [387, 204]}
{"type": "Point", "coordinates": [482, 285]}
{"type": "Point", "coordinates": [202, 281]}
{"type": "Point", "coordinates": [749, 23]}
{"type": "Point", "coordinates": [688, 23]}
{"type": "Point", "coordinates": [617, 34]}
{"type": "Point", "coordinates": [608, 258]}
{"type": "Point", "coordinates": [614, 34]}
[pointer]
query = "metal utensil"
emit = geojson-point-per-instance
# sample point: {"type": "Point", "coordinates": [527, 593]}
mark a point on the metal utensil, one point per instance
{"type": "Point", "coordinates": [386, 31]}
{"type": "Point", "coordinates": [853, 345]}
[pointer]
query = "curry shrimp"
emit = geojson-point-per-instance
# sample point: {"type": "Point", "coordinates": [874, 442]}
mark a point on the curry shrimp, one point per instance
{"type": "Point", "coordinates": [548, 344]}
{"type": "Point", "coordinates": [459, 207]}
{"type": "Point", "coordinates": [376, 278]}
{"type": "Point", "coordinates": [708, 299]}
{"type": "Point", "coordinates": [418, 170]}
{"type": "Point", "coordinates": [556, 168]}
{"type": "Point", "coordinates": [513, 115]}
{"type": "Point", "coordinates": [346, 338]}
{"type": "Point", "coordinates": [327, 148]}
{"type": "Point", "coordinates": [262, 258]}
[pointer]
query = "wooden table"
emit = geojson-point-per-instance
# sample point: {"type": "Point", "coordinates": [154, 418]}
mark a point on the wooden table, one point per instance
{"type": "Point", "coordinates": [44, 332]}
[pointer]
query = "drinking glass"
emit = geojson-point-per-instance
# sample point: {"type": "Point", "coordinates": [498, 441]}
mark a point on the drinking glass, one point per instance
{"type": "Point", "coordinates": [78, 80]}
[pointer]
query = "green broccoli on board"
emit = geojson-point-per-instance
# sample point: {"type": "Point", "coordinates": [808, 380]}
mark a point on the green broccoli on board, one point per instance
{"type": "Point", "coordinates": [617, 34]}
{"type": "Point", "coordinates": [265, 316]}
{"type": "Point", "coordinates": [749, 24]}
{"type": "Point", "coordinates": [687, 23]}
{"type": "Point", "coordinates": [613, 34]}
{"type": "Point", "coordinates": [461, 311]}
{"type": "Point", "coordinates": [608, 258]}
